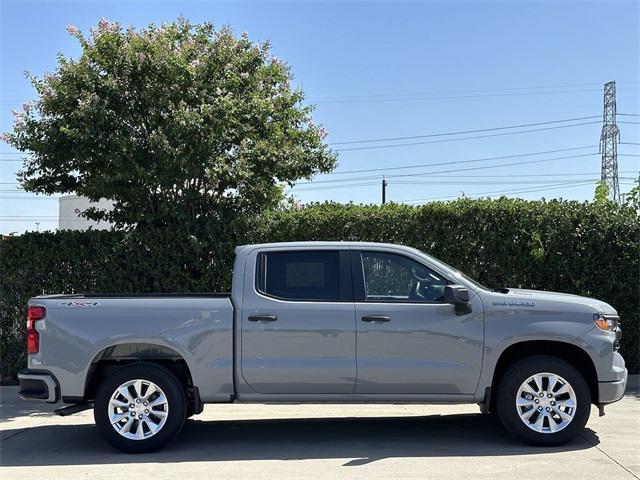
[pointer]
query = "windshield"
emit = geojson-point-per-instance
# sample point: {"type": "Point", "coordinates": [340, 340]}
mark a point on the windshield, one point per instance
{"type": "Point", "coordinates": [456, 272]}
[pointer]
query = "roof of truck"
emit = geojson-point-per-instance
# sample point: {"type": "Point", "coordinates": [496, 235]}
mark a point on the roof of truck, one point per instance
{"type": "Point", "coordinates": [323, 243]}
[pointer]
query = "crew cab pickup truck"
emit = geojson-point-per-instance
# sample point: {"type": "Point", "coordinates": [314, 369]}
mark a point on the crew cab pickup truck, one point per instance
{"type": "Point", "coordinates": [326, 322]}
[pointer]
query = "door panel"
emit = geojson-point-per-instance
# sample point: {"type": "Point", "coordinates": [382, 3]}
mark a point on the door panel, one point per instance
{"type": "Point", "coordinates": [421, 348]}
{"type": "Point", "coordinates": [408, 340]}
{"type": "Point", "coordinates": [299, 346]}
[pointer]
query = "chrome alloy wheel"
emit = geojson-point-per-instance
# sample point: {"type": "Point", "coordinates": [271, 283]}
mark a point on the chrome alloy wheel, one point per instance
{"type": "Point", "coordinates": [546, 402]}
{"type": "Point", "coordinates": [138, 409]}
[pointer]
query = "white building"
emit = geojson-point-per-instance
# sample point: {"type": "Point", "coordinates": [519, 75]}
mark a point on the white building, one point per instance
{"type": "Point", "coordinates": [71, 206]}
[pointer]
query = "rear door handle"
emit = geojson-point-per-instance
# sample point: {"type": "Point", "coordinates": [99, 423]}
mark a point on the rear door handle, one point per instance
{"type": "Point", "coordinates": [262, 318]}
{"type": "Point", "coordinates": [376, 318]}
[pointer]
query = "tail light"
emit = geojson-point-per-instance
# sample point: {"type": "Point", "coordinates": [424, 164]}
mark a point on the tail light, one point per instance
{"type": "Point", "coordinates": [33, 337]}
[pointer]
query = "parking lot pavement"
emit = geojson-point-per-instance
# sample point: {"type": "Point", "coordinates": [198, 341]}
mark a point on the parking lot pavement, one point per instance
{"type": "Point", "coordinates": [319, 441]}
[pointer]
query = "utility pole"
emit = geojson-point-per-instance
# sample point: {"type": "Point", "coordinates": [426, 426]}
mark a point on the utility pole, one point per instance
{"type": "Point", "coordinates": [384, 191]}
{"type": "Point", "coordinates": [609, 139]}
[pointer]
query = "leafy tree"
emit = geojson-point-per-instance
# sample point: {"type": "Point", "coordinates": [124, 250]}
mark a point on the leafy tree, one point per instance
{"type": "Point", "coordinates": [632, 198]}
{"type": "Point", "coordinates": [178, 124]}
{"type": "Point", "coordinates": [601, 194]}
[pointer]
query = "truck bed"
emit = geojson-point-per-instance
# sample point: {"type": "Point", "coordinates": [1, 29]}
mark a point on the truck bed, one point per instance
{"type": "Point", "coordinates": [80, 330]}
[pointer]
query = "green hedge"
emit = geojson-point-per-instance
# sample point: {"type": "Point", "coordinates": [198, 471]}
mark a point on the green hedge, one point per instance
{"type": "Point", "coordinates": [572, 247]}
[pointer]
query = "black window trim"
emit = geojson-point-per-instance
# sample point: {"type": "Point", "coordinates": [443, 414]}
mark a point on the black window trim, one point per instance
{"type": "Point", "coordinates": [357, 272]}
{"type": "Point", "coordinates": [345, 287]}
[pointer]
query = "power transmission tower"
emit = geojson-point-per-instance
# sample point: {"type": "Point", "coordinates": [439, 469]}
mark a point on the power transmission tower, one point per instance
{"type": "Point", "coordinates": [609, 139]}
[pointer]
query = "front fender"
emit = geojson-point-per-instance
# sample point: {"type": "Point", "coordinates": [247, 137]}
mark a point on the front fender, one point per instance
{"type": "Point", "coordinates": [509, 326]}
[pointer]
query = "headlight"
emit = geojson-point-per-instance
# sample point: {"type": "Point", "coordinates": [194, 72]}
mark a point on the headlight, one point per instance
{"type": "Point", "coordinates": [608, 323]}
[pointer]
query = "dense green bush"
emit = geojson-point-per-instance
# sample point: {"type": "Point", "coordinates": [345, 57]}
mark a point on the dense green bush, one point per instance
{"type": "Point", "coordinates": [572, 247]}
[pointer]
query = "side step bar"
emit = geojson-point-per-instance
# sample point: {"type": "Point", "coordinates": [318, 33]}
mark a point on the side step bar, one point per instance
{"type": "Point", "coordinates": [71, 409]}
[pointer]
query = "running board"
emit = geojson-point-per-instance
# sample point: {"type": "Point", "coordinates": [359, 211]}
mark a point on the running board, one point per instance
{"type": "Point", "coordinates": [71, 409]}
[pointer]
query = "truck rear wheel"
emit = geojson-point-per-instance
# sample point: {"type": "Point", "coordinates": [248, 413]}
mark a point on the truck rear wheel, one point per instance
{"type": "Point", "coordinates": [543, 400]}
{"type": "Point", "coordinates": [140, 408]}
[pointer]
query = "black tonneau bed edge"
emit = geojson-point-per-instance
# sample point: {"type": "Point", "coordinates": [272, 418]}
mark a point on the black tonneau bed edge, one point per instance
{"type": "Point", "coordinates": [133, 295]}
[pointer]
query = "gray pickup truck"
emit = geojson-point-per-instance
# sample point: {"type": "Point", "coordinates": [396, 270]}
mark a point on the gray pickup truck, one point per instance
{"type": "Point", "coordinates": [326, 322]}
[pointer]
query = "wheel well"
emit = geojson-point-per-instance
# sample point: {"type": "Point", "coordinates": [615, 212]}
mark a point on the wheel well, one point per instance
{"type": "Point", "coordinates": [572, 354]}
{"type": "Point", "coordinates": [115, 357]}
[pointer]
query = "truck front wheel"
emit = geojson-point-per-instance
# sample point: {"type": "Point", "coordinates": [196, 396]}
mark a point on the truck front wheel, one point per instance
{"type": "Point", "coordinates": [543, 400]}
{"type": "Point", "coordinates": [140, 408]}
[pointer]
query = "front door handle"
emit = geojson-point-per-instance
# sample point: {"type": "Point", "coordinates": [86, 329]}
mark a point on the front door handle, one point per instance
{"type": "Point", "coordinates": [262, 318]}
{"type": "Point", "coordinates": [376, 318]}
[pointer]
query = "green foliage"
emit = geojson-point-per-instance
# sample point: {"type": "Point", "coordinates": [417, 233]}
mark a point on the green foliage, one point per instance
{"type": "Point", "coordinates": [632, 198]}
{"type": "Point", "coordinates": [601, 194]}
{"type": "Point", "coordinates": [179, 125]}
{"type": "Point", "coordinates": [582, 248]}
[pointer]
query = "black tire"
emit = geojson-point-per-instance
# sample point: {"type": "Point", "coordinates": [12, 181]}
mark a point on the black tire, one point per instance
{"type": "Point", "coordinates": [176, 400]}
{"type": "Point", "coordinates": [516, 375]}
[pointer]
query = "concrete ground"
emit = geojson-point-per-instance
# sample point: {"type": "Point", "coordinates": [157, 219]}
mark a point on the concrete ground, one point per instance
{"type": "Point", "coordinates": [318, 441]}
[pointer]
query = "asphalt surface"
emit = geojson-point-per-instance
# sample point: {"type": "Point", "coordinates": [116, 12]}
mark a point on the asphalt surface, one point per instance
{"type": "Point", "coordinates": [318, 441]}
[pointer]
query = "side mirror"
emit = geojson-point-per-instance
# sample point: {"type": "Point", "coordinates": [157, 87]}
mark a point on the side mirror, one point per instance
{"type": "Point", "coordinates": [459, 297]}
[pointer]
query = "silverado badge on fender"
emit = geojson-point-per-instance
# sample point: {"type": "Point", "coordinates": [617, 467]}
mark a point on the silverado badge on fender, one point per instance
{"type": "Point", "coordinates": [515, 303]}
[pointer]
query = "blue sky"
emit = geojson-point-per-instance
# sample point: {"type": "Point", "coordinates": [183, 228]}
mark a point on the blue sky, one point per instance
{"type": "Point", "coordinates": [389, 69]}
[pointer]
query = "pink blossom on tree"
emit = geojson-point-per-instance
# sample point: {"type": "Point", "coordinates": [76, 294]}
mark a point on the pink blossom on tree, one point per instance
{"type": "Point", "coordinates": [106, 25]}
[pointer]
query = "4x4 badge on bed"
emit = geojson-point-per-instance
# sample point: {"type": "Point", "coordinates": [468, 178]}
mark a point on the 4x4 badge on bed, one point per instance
{"type": "Point", "coordinates": [81, 304]}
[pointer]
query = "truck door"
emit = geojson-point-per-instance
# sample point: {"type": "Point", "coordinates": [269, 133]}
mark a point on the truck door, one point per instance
{"type": "Point", "coordinates": [298, 322]}
{"type": "Point", "coordinates": [409, 340]}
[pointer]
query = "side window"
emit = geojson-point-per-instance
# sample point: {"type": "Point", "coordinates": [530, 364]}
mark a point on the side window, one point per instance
{"type": "Point", "coordinates": [396, 278]}
{"type": "Point", "coordinates": [303, 275]}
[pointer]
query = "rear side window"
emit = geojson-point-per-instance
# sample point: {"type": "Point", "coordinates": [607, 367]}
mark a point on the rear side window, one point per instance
{"type": "Point", "coordinates": [304, 275]}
